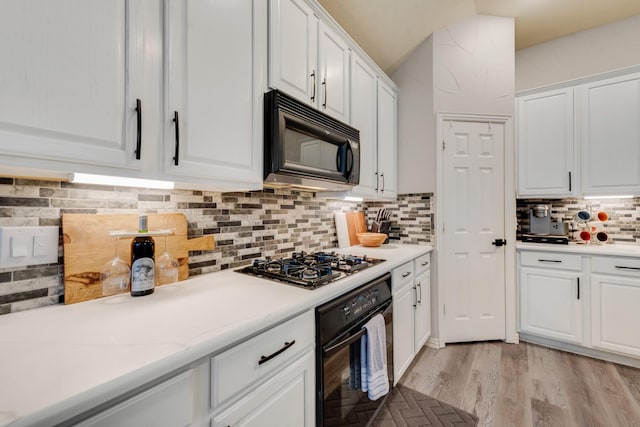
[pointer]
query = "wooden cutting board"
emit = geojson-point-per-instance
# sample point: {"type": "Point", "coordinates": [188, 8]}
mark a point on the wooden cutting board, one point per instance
{"type": "Point", "coordinates": [88, 246]}
{"type": "Point", "coordinates": [356, 223]}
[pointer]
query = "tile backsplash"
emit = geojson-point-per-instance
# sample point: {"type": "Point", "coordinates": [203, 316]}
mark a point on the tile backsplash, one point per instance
{"type": "Point", "coordinates": [245, 225]}
{"type": "Point", "coordinates": [623, 225]}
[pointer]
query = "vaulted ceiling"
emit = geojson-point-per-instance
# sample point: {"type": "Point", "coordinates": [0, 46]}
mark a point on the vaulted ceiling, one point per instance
{"type": "Point", "coordinates": [388, 30]}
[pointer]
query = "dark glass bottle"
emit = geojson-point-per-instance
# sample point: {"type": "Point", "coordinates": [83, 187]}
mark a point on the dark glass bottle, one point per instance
{"type": "Point", "coordinates": [142, 262]}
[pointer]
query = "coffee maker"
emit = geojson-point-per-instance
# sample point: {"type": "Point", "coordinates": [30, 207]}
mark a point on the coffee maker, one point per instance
{"type": "Point", "coordinates": [539, 220]}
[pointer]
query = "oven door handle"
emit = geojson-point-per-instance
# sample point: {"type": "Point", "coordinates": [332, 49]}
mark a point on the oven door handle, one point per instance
{"type": "Point", "coordinates": [352, 338]}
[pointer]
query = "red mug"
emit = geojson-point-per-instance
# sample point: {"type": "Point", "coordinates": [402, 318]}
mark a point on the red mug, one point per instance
{"type": "Point", "coordinates": [585, 235]}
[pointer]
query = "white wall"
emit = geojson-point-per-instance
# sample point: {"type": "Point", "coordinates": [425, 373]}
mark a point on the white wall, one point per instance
{"type": "Point", "coordinates": [605, 48]}
{"type": "Point", "coordinates": [416, 122]}
{"type": "Point", "coordinates": [467, 67]}
{"type": "Point", "coordinates": [474, 66]}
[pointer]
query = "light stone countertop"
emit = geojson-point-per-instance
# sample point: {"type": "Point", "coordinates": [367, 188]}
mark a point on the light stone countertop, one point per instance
{"type": "Point", "coordinates": [587, 249]}
{"type": "Point", "coordinates": [59, 361]}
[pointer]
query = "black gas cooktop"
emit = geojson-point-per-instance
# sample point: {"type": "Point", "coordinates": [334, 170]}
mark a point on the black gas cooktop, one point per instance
{"type": "Point", "coordinates": [309, 270]}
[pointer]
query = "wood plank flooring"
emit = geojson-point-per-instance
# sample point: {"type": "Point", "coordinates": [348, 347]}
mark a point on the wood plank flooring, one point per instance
{"type": "Point", "coordinates": [526, 385]}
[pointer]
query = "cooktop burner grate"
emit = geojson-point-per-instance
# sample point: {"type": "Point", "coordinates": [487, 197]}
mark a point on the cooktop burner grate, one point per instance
{"type": "Point", "coordinates": [308, 270]}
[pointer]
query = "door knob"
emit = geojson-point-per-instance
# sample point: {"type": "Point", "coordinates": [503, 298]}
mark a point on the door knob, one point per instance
{"type": "Point", "coordinates": [499, 242]}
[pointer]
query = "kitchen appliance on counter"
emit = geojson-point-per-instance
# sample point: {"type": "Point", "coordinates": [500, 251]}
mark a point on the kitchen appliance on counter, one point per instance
{"type": "Point", "coordinates": [307, 148]}
{"type": "Point", "coordinates": [542, 229]}
{"type": "Point", "coordinates": [309, 270]}
{"type": "Point", "coordinates": [339, 330]}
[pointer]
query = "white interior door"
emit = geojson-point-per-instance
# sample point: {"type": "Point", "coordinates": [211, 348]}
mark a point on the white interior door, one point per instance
{"type": "Point", "coordinates": [473, 279]}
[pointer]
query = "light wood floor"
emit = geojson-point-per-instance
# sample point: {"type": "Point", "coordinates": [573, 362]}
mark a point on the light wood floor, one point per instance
{"type": "Point", "coordinates": [525, 385]}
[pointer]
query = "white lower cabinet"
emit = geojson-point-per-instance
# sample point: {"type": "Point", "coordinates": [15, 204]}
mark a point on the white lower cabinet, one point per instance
{"type": "Point", "coordinates": [615, 299]}
{"type": "Point", "coordinates": [169, 404]}
{"type": "Point", "coordinates": [268, 380]}
{"type": "Point", "coordinates": [422, 321]}
{"type": "Point", "coordinates": [550, 304]}
{"type": "Point", "coordinates": [598, 312]}
{"type": "Point", "coordinates": [286, 400]}
{"type": "Point", "coordinates": [411, 290]}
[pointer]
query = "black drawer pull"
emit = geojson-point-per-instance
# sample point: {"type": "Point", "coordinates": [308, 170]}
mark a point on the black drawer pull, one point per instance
{"type": "Point", "coordinates": [287, 345]}
{"type": "Point", "coordinates": [549, 260]}
{"type": "Point", "coordinates": [578, 287]}
{"type": "Point", "coordinates": [424, 263]}
{"type": "Point", "coordinates": [406, 274]}
{"type": "Point", "coordinates": [621, 267]}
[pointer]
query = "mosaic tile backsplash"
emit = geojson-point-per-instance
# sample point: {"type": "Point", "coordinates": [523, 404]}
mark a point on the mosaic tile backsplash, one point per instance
{"type": "Point", "coordinates": [245, 225]}
{"type": "Point", "coordinates": [623, 225]}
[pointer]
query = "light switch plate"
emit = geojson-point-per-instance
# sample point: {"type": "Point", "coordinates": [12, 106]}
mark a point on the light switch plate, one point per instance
{"type": "Point", "coordinates": [21, 246]}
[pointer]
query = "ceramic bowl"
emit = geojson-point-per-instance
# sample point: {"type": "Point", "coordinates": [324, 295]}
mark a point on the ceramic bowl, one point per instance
{"type": "Point", "coordinates": [371, 239]}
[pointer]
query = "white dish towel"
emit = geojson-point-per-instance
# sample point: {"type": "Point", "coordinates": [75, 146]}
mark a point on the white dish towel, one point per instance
{"type": "Point", "coordinates": [375, 380]}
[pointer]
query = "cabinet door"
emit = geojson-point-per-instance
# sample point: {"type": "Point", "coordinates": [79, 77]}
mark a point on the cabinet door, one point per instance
{"type": "Point", "coordinates": [611, 136]}
{"type": "Point", "coordinates": [287, 400]}
{"type": "Point", "coordinates": [387, 141]}
{"type": "Point", "coordinates": [614, 314]}
{"type": "Point", "coordinates": [551, 304]}
{"type": "Point", "coordinates": [293, 49]}
{"type": "Point", "coordinates": [334, 57]}
{"type": "Point", "coordinates": [545, 144]}
{"type": "Point", "coordinates": [422, 310]}
{"type": "Point", "coordinates": [403, 331]}
{"type": "Point", "coordinates": [71, 73]}
{"type": "Point", "coordinates": [214, 56]}
{"type": "Point", "coordinates": [364, 113]}
{"type": "Point", "coordinates": [168, 404]}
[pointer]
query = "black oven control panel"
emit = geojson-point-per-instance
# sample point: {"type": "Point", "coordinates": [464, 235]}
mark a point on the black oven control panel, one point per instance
{"type": "Point", "coordinates": [361, 304]}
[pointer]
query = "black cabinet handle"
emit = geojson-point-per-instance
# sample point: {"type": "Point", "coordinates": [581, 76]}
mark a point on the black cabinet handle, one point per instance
{"type": "Point", "coordinates": [550, 260]}
{"type": "Point", "coordinates": [499, 242]}
{"type": "Point", "coordinates": [313, 96]}
{"type": "Point", "coordinates": [177, 125]}
{"type": "Point", "coordinates": [578, 287]}
{"type": "Point", "coordinates": [419, 286]}
{"type": "Point", "coordinates": [324, 83]}
{"type": "Point", "coordinates": [415, 297]}
{"type": "Point", "coordinates": [425, 263]}
{"type": "Point", "coordinates": [287, 345]}
{"type": "Point", "coordinates": [621, 267]}
{"type": "Point", "coordinates": [376, 181]}
{"type": "Point", "coordinates": [569, 181]}
{"type": "Point", "coordinates": [139, 129]}
{"type": "Point", "coordinates": [382, 176]}
{"type": "Point", "coordinates": [406, 274]}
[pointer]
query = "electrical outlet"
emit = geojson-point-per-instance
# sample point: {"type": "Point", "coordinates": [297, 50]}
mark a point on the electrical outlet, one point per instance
{"type": "Point", "coordinates": [21, 246]}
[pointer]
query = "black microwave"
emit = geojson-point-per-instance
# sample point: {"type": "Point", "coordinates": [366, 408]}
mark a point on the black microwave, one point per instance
{"type": "Point", "coordinates": [307, 148]}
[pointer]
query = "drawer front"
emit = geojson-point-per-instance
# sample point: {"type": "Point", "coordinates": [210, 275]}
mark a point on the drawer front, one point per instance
{"type": "Point", "coordinates": [623, 266]}
{"type": "Point", "coordinates": [422, 263]}
{"type": "Point", "coordinates": [243, 366]}
{"type": "Point", "coordinates": [556, 260]}
{"type": "Point", "coordinates": [402, 276]}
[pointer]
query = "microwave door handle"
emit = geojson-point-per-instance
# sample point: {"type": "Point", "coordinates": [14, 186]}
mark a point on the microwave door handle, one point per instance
{"type": "Point", "coordinates": [338, 160]}
{"type": "Point", "coordinates": [350, 160]}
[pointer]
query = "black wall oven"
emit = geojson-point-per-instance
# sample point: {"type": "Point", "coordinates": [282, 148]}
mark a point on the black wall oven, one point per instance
{"type": "Point", "coordinates": [338, 333]}
{"type": "Point", "coordinates": [307, 148]}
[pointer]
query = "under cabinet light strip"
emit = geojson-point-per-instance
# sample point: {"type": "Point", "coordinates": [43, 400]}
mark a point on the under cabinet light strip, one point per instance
{"type": "Point", "coordinates": [85, 178]}
{"type": "Point", "coordinates": [626, 196]}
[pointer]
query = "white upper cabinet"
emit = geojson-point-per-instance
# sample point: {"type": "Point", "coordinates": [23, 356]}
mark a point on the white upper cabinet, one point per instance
{"type": "Point", "coordinates": [293, 49]}
{"type": "Point", "coordinates": [387, 141]}
{"type": "Point", "coordinates": [212, 121]}
{"type": "Point", "coordinates": [307, 59]}
{"type": "Point", "coordinates": [546, 144]}
{"type": "Point", "coordinates": [364, 117]}
{"type": "Point", "coordinates": [334, 57]}
{"type": "Point", "coordinates": [71, 74]}
{"type": "Point", "coordinates": [611, 136]}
